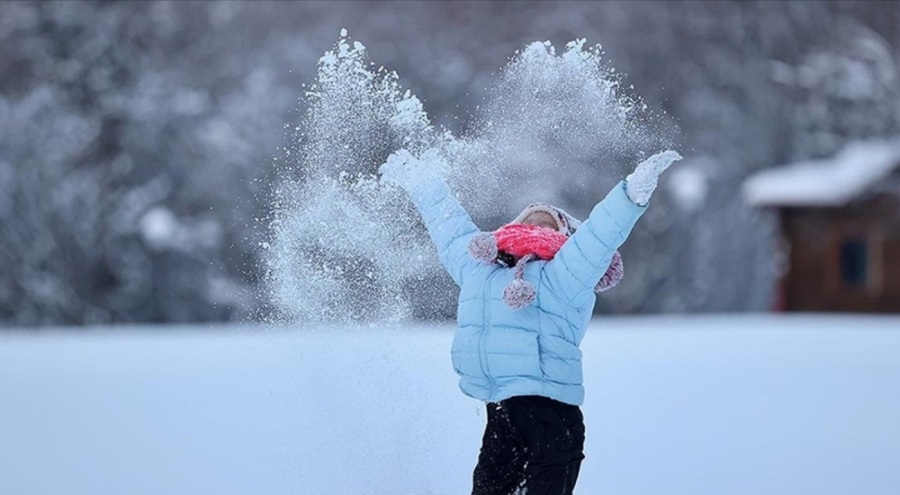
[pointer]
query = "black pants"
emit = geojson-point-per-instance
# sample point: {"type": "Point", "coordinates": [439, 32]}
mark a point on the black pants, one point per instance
{"type": "Point", "coordinates": [531, 445]}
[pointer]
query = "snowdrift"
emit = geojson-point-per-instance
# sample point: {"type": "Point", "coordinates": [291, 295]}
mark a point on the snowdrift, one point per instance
{"type": "Point", "coordinates": [712, 405]}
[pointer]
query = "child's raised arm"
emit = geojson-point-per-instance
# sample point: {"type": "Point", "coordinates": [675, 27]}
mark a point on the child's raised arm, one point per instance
{"type": "Point", "coordinates": [584, 258]}
{"type": "Point", "coordinates": [448, 223]}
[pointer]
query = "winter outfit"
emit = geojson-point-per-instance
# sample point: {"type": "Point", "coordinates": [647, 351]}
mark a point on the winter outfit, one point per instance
{"type": "Point", "coordinates": [501, 352]}
{"type": "Point", "coordinates": [520, 328]}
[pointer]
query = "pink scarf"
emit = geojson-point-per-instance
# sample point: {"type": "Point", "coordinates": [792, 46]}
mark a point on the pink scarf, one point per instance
{"type": "Point", "coordinates": [524, 243]}
{"type": "Point", "coordinates": [522, 239]}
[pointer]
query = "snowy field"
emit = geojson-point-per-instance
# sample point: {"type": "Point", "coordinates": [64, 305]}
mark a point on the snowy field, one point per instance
{"type": "Point", "coordinates": [675, 405]}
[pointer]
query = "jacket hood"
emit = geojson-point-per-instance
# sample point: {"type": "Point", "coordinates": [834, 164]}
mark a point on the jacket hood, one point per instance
{"type": "Point", "coordinates": [565, 223]}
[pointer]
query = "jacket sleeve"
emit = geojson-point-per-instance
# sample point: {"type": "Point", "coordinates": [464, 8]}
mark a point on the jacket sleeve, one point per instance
{"type": "Point", "coordinates": [584, 258]}
{"type": "Point", "coordinates": [448, 223]}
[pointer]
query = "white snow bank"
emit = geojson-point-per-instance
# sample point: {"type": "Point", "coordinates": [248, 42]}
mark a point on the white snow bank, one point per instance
{"type": "Point", "coordinates": [830, 182]}
{"type": "Point", "coordinates": [737, 405]}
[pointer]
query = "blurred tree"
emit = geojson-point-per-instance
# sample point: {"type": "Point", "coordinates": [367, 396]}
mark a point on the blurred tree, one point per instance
{"type": "Point", "coordinates": [137, 138]}
{"type": "Point", "coordinates": [131, 189]}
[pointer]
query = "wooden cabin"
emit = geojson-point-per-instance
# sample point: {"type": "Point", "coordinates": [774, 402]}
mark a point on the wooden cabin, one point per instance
{"type": "Point", "coordinates": [840, 229]}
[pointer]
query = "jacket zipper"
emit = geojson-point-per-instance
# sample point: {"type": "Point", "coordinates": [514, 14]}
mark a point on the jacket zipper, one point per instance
{"type": "Point", "coordinates": [482, 352]}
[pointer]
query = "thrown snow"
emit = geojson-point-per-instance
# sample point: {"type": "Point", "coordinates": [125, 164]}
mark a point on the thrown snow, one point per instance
{"type": "Point", "coordinates": [338, 239]}
{"type": "Point", "coordinates": [830, 182]}
{"type": "Point", "coordinates": [753, 405]}
{"type": "Point", "coordinates": [554, 123]}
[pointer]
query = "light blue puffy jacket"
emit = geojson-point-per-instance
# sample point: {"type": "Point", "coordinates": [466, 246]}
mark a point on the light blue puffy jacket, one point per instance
{"type": "Point", "coordinates": [499, 352]}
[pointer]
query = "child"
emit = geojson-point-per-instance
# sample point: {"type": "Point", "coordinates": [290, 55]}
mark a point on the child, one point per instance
{"type": "Point", "coordinates": [526, 297]}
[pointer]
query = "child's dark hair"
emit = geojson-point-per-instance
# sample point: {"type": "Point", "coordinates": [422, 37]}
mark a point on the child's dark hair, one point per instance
{"type": "Point", "coordinates": [506, 259]}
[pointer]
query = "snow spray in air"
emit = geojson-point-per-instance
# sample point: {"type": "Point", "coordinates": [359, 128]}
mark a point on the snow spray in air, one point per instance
{"type": "Point", "coordinates": [342, 247]}
{"type": "Point", "coordinates": [561, 126]}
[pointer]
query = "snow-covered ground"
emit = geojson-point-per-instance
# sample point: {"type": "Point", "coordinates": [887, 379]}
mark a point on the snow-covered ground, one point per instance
{"type": "Point", "coordinates": [675, 405]}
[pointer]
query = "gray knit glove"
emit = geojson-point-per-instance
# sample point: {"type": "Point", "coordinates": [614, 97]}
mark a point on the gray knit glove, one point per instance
{"type": "Point", "coordinates": [640, 184]}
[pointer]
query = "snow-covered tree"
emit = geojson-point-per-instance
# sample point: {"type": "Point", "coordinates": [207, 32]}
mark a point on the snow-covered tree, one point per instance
{"type": "Point", "coordinates": [138, 140]}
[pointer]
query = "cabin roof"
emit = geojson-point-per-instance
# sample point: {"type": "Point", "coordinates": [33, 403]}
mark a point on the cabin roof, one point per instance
{"type": "Point", "coordinates": [833, 181]}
